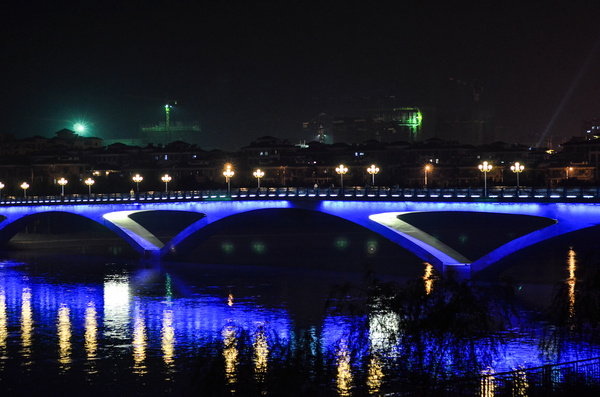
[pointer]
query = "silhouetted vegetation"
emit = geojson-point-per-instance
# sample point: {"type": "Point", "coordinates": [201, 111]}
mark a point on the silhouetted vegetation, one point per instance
{"type": "Point", "coordinates": [399, 338]}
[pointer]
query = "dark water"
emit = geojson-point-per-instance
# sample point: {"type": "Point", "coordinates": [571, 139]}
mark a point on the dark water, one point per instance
{"type": "Point", "coordinates": [86, 316]}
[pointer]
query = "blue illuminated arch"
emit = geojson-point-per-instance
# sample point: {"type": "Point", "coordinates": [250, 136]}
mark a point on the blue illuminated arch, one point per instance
{"type": "Point", "coordinates": [378, 216]}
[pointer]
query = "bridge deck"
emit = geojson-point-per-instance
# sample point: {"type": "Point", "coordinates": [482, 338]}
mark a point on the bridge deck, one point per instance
{"type": "Point", "coordinates": [506, 194]}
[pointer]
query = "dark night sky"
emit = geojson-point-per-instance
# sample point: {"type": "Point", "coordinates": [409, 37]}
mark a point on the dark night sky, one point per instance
{"type": "Point", "coordinates": [247, 69]}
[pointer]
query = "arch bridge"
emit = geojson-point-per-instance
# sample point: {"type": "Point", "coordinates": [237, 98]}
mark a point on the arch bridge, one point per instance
{"type": "Point", "coordinates": [381, 211]}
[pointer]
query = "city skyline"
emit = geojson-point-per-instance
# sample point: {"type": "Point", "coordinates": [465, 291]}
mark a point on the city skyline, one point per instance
{"type": "Point", "coordinates": [244, 70]}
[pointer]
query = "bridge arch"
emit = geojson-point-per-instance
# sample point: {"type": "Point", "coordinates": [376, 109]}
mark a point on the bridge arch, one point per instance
{"type": "Point", "coordinates": [13, 225]}
{"type": "Point", "coordinates": [375, 215]}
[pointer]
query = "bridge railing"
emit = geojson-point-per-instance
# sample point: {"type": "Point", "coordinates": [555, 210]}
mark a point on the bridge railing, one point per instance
{"type": "Point", "coordinates": [551, 379]}
{"type": "Point", "coordinates": [394, 193]}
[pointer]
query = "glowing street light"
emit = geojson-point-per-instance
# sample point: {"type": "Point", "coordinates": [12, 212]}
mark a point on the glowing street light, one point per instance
{"type": "Point", "coordinates": [517, 169]}
{"type": "Point", "coordinates": [258, 174]}
{"type": "Point", "coordinates": [373, 170]}
{"type": "Point", "coordinates": [485, 168]}
{"type": "Point", "coordinates": [1, 187]}
{"type": "Point", "coordinates": [228, 173]}
{"type": "Point", "coordinates": [79, 127]}
{"type": "Point", "coordinates": [25, 186]}
{"type": "Point", "coordinates": [62, 182]}
{"type": "Point", "coordinates": [341, 170]}
{"type": "Point", "coordinates": [569, 169]}
{"type": "Point", "coordinates": [137, 178]}
{"type": "Point", "coordinates": [166, 179]}
{"type": "Point", "coordinates": [89, 182]}
{"type": "Point", "coordinates": [427, 168]}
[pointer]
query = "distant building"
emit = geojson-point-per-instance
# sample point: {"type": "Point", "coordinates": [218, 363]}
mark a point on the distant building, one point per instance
{"type": "Point", "coordinates": [163, 134]}
{"type": "Point", "coordinates": [591, 128]}
{"type": "Point", "coordinates": [383, 124]}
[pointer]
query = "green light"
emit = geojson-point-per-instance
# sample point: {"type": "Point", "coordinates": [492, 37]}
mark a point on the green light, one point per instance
{"type": "Point", "coordinates": [227, 247]}
{"type": "Point", "coordinates": [341, 243]}
{"type": "Point", "coordinates": [169, 287]}
{"type": "Point", "coordinates": [79, 127]}
{"type": "Point", "coordinates": [259, 247]}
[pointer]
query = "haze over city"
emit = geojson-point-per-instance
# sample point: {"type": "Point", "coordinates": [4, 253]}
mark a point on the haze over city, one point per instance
{"type": "Point", "coordinates": [248, 69]}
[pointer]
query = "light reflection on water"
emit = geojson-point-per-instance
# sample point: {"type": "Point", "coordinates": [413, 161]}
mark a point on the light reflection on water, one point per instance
{"type": "Point", "coordinates": [91, 335]}
{"type": "Point", "coordinates": [571, 281]}
{"type": "Point", "coordinates": [3, 320]}
{"type": "Point", "coordinates": [64, 337]}
{"type": "Point", "coordinates": [344, 371]}
{"type": "Point", "coordinates": [26, 326]}
{"type": "Point", "coordinates": [139, 339]}
{"type": "Point", "coordinates": [230, 353]}
{"type": "Point", "coordinates": [153, 322]}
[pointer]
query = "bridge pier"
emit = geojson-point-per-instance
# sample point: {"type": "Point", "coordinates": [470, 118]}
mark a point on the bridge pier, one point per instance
{"type": "Point", "coordinates": [457, 271]}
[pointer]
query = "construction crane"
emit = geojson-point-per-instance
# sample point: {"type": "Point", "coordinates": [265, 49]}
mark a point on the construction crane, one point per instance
{"type": "Point", "coordinates": [169, 103]}
{"type": "Point", "coordinates": [318, 122]}
{"type": "Point", "coordinates": [168, 107]}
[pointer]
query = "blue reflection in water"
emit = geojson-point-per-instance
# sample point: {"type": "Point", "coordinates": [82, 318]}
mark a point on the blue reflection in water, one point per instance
{"type": "Point", "coordinates": [129, 323]}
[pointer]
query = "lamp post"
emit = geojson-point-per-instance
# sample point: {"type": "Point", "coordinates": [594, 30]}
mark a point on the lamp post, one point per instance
{"type": "Point", "coordinates": [485, 168]}
{"type": "Point", "coordinates": [341, 170]}
{"type": "Point", "coordinates": [137, 178]}
{"type": "Point", "coordinates": [89, 182]}
{"type": "Point", "coordinates": [517, 169]}
{"type": "Point", "coordinates": [373, 170]}
{"type": "Point", "coordinates": [569, 169]}
{"type": "Point", "coordinates": [258, 174]}
{"type": "Point", "coordinates": [166, 178]}
{"type": "Point", "coordinates": [228, 173]}
{"type": "Point", "coordinates": [1, 187]}
{"type": "Point", "coordinates": [427, 168]}
{"type": "Point", "coordinates": [24, 186]}
{"type": "Point", "coordinates": [62, 182]}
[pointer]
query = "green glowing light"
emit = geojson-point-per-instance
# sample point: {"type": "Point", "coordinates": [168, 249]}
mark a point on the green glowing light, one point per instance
{"type": "Point", "coordinates": [259, 247]}
{"type": "Point", "coordinates": [79, 128]}
{"type": "Point", "coordinates": [341, 243]}
{"type": "Point", "coordinates": [169, 287]}
{"type": "Point", "coordinates": [227, 247]}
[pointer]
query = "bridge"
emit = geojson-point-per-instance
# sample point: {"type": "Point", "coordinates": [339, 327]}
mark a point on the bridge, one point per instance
{"type": "Point", "coordinates": [380, 210]}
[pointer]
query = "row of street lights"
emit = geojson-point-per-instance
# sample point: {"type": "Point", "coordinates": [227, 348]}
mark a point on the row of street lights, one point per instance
{"type": "Point", "coordinates": [485, 167]}
{"type": "Point", "coordinates": [517, 168]}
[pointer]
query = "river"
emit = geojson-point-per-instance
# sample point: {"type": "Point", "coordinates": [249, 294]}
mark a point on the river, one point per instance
{"type": "Point", "coordinates": [81, 316]}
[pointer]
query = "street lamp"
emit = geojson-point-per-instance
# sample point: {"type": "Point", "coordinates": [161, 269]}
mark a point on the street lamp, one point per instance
{"type": "Point", "coordinates": [258, 174]}
{"type": "Point", "coordinates": [568, 170]}
{"type": "Point", "coordinates": [137, 178]}
{"type": "Point", "coordinates": [341, 170]}
{"type": "Point", "coordinates": [517, 169]}
{"type": "Point", "coordinates": [166, 178]}
{"type": "Point", "coordinates": [427, 168]}
{"type": "Point", "coordinates": [89, 182]}
{"type": "Point", "coordinates": [25, 186]}
{"type": "Point", "coordinates": [373, 170]}
{"type": "Point", "coordinates": [228, 173]}
{"type": "Point", "coordinates": [62, 182]}
{"type": "Point", "coordinates": [1, 187]}
{"type": "Point", "coordinates": [485, 168]}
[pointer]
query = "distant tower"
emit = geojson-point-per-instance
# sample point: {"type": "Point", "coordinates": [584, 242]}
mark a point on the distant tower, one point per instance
{"type": "Point", "coordinates": [168, 107]}
{"type": "Point", "coordinates": [167, 131]}
{"type": "Point", "coordinates": [321, 133]}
